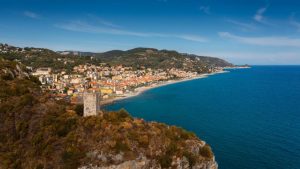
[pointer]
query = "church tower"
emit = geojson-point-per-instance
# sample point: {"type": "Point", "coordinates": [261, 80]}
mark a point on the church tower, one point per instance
{"type": "Point", "coordinates": [91, 103]}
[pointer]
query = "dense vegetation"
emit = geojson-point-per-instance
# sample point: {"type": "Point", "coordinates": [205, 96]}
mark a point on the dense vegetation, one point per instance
{"type": "Point", "coordinates": [47, 58]}
{"type": "Point", "coordinates": [38, 132]}
{"type": "Point", "coordinates": [161, 59]}
{"type": "Point", "coordinates": [136, 58]}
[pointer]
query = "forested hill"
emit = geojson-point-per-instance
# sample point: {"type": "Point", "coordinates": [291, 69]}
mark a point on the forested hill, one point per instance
{"type": "Point", "coordinates": [38, 132]}
{"type": "Point", "coordinates": [136, 58]}
{"type": "Point", "coordinates": [154, 58]}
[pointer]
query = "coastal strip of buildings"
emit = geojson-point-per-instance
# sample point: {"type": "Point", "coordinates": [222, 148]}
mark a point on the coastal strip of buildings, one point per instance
{"type": "Point", "coordinates": [110, 81]}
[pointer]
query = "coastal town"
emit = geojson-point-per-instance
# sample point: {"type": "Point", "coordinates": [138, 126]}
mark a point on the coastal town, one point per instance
{"type": "Point", "coordinates": [113, 82]}
{"type": "Point", "coordinates": [66, 75]}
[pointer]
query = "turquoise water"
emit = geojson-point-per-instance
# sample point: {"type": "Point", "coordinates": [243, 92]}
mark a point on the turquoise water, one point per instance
{"type": "Point", "coordinates": [250, 117]}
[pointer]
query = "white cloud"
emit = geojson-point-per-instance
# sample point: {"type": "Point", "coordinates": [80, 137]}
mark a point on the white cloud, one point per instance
{"type": "Point", "coordinates": [191, 37]}
{"type": "Point", "coordinates": [107, 23]}
{"type": "Point", "coordinates": [31, 15]}
{"type": "Point", "coordinates": [80, 26]}
{"type": "Point", "coordinates": [259, 14]}
{"type": "Point", "coordinates": [102, 21]}
{"type": "Point", "coordinates": [205, 9]}
{"type": "Point", "coordinates": [263, 41]}
{"type": "Point", "coordinates": [260, 18]}
{"type": "Point", "coordinates": [242, 25]}
{"type": "Point", "coordinates": [85, 27]}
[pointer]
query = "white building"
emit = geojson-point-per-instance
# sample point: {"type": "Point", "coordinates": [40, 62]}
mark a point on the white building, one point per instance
{"type": "Point", "coordinates": [42, 71]}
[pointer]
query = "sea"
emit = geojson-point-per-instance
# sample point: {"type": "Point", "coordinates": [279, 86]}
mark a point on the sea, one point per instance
{"type": "Point", "coordinates": [250, 117]}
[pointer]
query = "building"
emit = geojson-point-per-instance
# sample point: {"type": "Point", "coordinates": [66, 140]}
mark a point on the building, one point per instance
{"type": "Point", "coordinates": [91, 102]}
{"type": "Point", "coordinates": [106, 91]}
{"type": "Point", "coordinates": [42, 71]}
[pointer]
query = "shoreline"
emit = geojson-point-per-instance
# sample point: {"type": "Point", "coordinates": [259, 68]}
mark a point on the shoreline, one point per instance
{"type": "Point", "coordinates": [140, 90]}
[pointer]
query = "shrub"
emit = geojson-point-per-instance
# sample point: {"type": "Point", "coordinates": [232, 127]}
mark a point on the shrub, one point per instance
{"type": "Point", "coordinates": [23, 88]}
{"type": "Point", "coordinates": [132, 135]}
{"type": "Point", "coordinates": [187, 135]}
{"type": "Point", "coordinates": [177, 133]}
{"type": "Point", "coordinates": [143, 141]}
{"type": "Point", "coordinates": [111, 117]}
{"type": "Point", "coordinates": [6, 77]}
{"type": "Point", "coordinates": [22, 128]}
{"type": "Point", "coordinates": [121, 147]}
{"type": "Point", "coordinates": [79, 109]}
{"type": "Point", "coordinates": [123, 114]}
{"type": "Point", "coordinates": [171, 134]}
{"type": "Point", "coordinates": [10, 160]}
{"type": "Point", "coordinates": [37, 139]}
{"type": "Point", "coordinates": [117, 117]}
{"type": "Point", "coordinates": [191, 158]}
{"type": "Point", "coordinates": [39, 166]}
{"type": "Point", "coordinates": [165, 161]}
{"type": "Point", "coordinates": [172, 149]}
{"type": "Point", "coordinates": [26, 99]}
{"type": "Point", "coordinates": [35, 80]}
{"type": "Point", "coordinates": [65, 127]}
{"type": "Point", "coordinates": [71, 158]}
{"type": "Point", "coordinates": [205, 151]}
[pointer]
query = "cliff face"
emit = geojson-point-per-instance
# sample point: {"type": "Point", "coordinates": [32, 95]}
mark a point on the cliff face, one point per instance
{"type": "Point", "coordinates": [140, 144]}
{"type": "Point", "coordinates": [39, 132]}
{"type": "Point", "coordinates": [144, 163]}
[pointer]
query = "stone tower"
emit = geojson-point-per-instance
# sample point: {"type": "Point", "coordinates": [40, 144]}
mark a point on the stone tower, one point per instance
{"type": "Point", "coordinates": [91, 103]}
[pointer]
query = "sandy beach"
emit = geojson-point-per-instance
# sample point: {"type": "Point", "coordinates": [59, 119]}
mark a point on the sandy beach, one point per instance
{"type": "Point", "coordinates": [140, 90]}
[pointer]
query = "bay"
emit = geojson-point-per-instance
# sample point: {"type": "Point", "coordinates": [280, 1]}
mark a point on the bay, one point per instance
{"type": "Point", "coordinates": [250, 117]}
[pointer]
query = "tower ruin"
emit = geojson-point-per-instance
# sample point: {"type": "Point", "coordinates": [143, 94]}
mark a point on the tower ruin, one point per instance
{"type": "Point", "coordinates": [91, 103]}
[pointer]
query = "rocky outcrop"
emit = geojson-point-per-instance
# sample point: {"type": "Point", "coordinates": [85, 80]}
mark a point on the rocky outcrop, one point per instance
{"type": "Point", "coordinates": [12, 70]}
{"type": "Point", "coordinates": [144, 163]}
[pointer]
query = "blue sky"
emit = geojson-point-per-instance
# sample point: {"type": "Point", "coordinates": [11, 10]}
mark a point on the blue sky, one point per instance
{"type": "Point", "coordinates": [253, 31]}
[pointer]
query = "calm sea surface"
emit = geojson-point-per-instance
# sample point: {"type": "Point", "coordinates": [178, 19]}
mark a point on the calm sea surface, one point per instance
{"type": "Point", "coordinates": [250, 117]}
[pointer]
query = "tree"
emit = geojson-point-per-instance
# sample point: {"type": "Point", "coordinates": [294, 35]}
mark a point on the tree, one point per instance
{"type": "Point", "coordinates": [79, 109]}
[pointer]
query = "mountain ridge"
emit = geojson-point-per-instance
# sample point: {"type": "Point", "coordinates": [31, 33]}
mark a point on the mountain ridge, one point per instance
{"type": "Point", "coordinates": [137, 58]}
